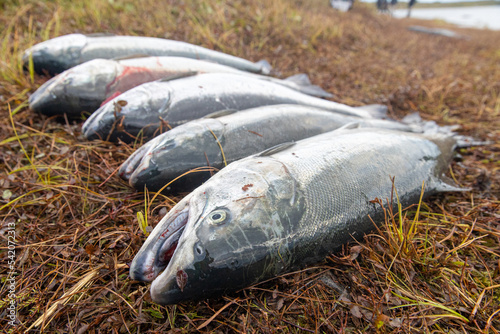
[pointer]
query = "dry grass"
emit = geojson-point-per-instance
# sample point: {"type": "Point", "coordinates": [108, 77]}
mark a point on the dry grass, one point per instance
{"type": "Point", "coordinates": [434, 268]}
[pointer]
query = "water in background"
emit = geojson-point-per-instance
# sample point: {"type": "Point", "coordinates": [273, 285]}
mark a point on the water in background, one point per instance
{"type": "Point", "coordinates": [471, 17]}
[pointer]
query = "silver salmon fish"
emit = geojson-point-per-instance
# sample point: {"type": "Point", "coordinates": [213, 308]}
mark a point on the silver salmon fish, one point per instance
{"type": "Point", "coordinates": [61, 53]}
{"type": "Point", "coordinates": [83, 88]}
{"type": "Point", "coordinates": [286, 208]}
{"type": "Point", "coordinates": [222, 138]}
{"type": "Point", "coordinates": [153, 107]}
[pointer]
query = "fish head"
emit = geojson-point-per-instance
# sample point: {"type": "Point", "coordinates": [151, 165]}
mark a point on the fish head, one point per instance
{"type": "Point", "coordinates": [139, 110]}
{"type": "Point", "coordinates": [237, 232]}
{"type": "Point", "coordinates": [191, 148]}
{"type": "Point", "coordinates": [80, 89]}
{"type": "Point", "coordinates": [56, 55]}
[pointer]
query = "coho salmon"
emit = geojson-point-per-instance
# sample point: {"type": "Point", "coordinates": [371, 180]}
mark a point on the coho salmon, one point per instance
{"type": "Point", "coordinates": [286, 208]}
{"type": "Point", "coordinates": [83, 88]}
{"type": "Point", "coordinates": [154, 107]}
{"type": "Point", "coordinates": [58, 54]}
{"type": "Point", "coordinates": [222, 138]}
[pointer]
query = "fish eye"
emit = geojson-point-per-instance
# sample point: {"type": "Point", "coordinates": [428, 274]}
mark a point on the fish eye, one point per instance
{"type": "Point", "coordinates": [217, 217]}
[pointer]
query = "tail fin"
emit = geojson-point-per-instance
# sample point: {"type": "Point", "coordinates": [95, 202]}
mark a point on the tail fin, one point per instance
{"type": "Point", "coordinates": [305, 85]}
{"type": "Point", "coordinates": [430, 127]}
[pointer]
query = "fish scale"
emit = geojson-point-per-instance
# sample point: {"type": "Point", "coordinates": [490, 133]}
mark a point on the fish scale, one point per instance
{"type": "Point", "coordinates": [350, 208]}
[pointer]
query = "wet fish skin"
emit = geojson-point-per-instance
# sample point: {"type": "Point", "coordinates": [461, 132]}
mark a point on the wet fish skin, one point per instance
{"type": "Point", "coordinates": [83, 88]}
{"type": "Point", "coordinates": [194, 144]}
{"type": "Point", "coordinates": [61, 53]}
{"type": "Point", "coordinates": [273, 213]}
{"type": "Point", "coordinates": [146, 108]}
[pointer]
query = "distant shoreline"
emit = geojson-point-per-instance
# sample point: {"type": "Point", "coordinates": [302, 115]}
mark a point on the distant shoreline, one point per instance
{"type": "Point", "coordinates": [479, 17]}
{"type": "Point", "coordinates": [437, 4]}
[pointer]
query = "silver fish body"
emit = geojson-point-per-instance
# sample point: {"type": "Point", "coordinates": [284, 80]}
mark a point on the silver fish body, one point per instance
{"type": "Point", "coordinates": [61, 53]}
{"type": "Point", "coordinates": [213, 142]}
{"type": "Point", "coordinates": [150, 107]}
{"type": "Point", "coordinates": [284, 209]}
{"type": "Point", "coordinates": [83, 88]}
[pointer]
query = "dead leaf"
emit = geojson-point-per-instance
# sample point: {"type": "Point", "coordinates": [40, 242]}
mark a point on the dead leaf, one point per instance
{"type": "Point", "coordinates": [356, 312]}
{"type": "Point", "coordinates": [355, 250]}
{"type": "Point", "coordinates": [91, 250]}
{"type": "Point", "coordinates": [279, 304]}
{"type": "Point", "coordinates": [395, 322]}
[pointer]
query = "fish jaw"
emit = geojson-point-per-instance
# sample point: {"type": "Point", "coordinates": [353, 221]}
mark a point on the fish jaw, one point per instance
{"type": "Point", "coordinates": [130, 165]}
{"type": "Point", "coordinates": [45, 99]}
{"type": "Point", "coordinates": [237, 239]}
{"type": "Point", "coordinates": [56, 55]}
{"type": "Point", "coordinates": [154, 255]}
{"type": "Point", "coordinates": [77, 90]}
{"type": "Point", "coordinates": [100, 124]}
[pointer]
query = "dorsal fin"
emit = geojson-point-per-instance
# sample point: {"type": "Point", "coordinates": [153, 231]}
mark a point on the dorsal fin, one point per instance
{"type": "Point", "coordinates": [276, 149]}
{"type": "Point", "coordinates": [304, 85]}
{"type": "Point", "coordinates": [300, 79]}
{"type": "Point", "coordinates": [221, 113]}
{"type": "Point", "coordinates": [178, 76]}
{"type": "Point", "coordinates": [352, 125]}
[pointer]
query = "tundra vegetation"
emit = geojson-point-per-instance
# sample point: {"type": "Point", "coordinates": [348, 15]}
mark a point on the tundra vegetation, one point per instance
{"type": "Point", "coordinates": [431, 267]}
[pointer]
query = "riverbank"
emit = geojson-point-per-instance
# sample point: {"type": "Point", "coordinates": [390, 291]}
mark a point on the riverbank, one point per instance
{"type": "Point", "coordinates": [76, 225]}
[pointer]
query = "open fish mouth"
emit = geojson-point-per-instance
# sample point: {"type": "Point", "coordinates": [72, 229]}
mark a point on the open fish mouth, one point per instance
{"type": "Point", "coordinates": [170, 238]}
{"type": "Point", "coordinates": [155, 256]}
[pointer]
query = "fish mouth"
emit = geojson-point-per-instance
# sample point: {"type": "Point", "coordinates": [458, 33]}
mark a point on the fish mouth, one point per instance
{"type": "Point", "coordinates": [99, 126]}
{"type": "Point", "coordinates": [55, 55]}
{"type": "Point", "coordinates": [50, 99]}
{"type": "Point", "coordinates": [43, 98]}
{"type": "Point", "coordinates": [131, 164]}
{"type": "Point", "coordinates": [171, 238]}
{"type": "Point", "coordinates": [154, 256]}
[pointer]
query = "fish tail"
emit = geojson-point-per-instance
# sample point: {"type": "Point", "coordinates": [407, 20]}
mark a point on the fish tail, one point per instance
{"type": "Point", "coordinates": [432, 128]}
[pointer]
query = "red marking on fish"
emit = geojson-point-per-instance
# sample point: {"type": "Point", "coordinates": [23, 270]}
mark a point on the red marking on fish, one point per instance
{"type": "Point", "coordinates": [164, 233]}
{"type": "Point", "coordinates": [165, 257]}
{"type": "Point", "coordinates": [112, 96]}
{"type": "Point", "coordinates": [130, 77]}
{"type": "Point", "coordinates": [255, 133]}
{"type": "Point", "coordinates": [246, 186]}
